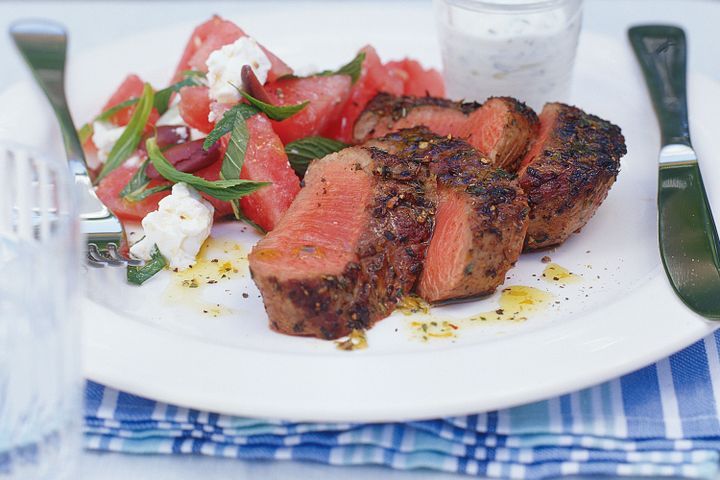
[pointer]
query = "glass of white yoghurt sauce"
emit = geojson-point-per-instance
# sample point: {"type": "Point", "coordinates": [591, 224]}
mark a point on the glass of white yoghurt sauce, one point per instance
{"type": "Point", "coordinates": [519, 48]}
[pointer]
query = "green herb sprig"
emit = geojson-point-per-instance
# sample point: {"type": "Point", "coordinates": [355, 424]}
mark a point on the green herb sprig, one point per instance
{"type": "Point", "coordinates": [274, 112]}
{"type": "Point", "coordinates": [137, 188]}
{"type": "Point", "coordinates": [225, 189]}
{"type": "Point", "coordinates": [162, 97]}
{"type": "Point", "coordinates": [139, 275]}
{"type": "Point", "coordinates": [86, 130]}
{"type": "Point", "coordinates": [353, 68]}
{"type": "Point", "coordinates": [161, 101]}
{"type": "Point", "coordinates": [234, 123]}
{"type": "Point", "coordinates": [303, 151]}
{"type": "Point", "coordinates": [238, 113]}
{"type": "Point", "coordinates": [130, 138]}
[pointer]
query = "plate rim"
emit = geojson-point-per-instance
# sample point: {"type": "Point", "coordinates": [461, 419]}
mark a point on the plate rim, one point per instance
{"type": "Point", "coordinates": [105, 329]}
{"type": "Point", "coordinates": [105, 364]}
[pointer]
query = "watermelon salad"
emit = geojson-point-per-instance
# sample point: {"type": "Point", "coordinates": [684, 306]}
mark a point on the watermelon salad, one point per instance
{"type": "Point", "coordinates": [228, 139]}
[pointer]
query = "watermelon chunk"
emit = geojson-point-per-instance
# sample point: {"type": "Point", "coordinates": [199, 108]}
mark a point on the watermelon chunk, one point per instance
{"type": "Point", "coordinates": [327, 97]}
{"type": "Point", "coordinates": [109, 192]}
{"type": "Point", "coordinates": [213, 34]}
{"type": "Point", "coordinates": [418, 81]}
{"type": "Point", "coordinates": [374, 78]}
{"type": "Point", "coordinates": [212, 173]}
{"type": "Point", "coordinates": [265, 160]}
{"type": "Point", "coordinates": [131, 87]}
{"type": "Point", "coordinates": [194, 108]}
{"type": "Point", "coordinates": [110, 187]}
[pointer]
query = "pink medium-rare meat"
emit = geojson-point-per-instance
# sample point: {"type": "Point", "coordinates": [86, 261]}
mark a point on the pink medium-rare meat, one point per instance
{"type": "Point", "coordinates": [481, 216]}
{"type": "Point", "coordinates": [501, 128]}
{"type": "Point", "coordinates": [350, 245]}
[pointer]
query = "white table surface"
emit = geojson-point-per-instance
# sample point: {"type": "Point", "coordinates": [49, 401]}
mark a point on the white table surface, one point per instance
{"type": "Point", "coordinates": [97, 22]}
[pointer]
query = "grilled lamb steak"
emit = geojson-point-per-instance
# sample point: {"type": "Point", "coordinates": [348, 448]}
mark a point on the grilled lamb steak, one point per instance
{"type": "Point", "coordinates": [350, 245]}
{"type": "Point", "coordinates": [568, 172]}
{"type": "Point", "coordinates": [481, 216]}
{"type": "Point", "coordinates": [501, 128]}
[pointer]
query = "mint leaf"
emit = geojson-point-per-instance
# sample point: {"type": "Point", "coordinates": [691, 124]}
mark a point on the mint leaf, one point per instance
{"type": "Point", "coordinates": [144, 192]}
{"type": "Point", "coordinates": [274, 112]}
{"type": "Point", "coordinates": [233, 122]}
{"type": "Point", "coordinates": [162, 97]}
{"type": "Point", "coordinates": [139, 275]}
{"type": "Point", "coordinates": [139, 180]}
{"type": "Point", "coordinates": [303, 151]}
{"type": "Point", "coordinates": [235, 158]}
{"type": "Point", "coordinates": [235, 153]}
{"type": "Point", "coordinates": [225, 189]}
{"type": "Point", "coordinates": [86, 130]}
{"type": "Point", "coordinates": [130, 138]}
{"type": "Point", "coordinates": [115, 109]}
{"type": "Point", "coordinates": [137, 188]}
{"type": "Point", "coordinates": [227, 122]}
{"type": "Point", "coordinates": [161, 102]}
{"type": "Point", "coordinates": [352, 68]}
{"type": "Point", "coordinates": [195, 73]}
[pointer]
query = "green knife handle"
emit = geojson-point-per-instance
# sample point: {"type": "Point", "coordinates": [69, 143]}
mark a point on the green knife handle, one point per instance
{"type": "Point", "coordinates": [661, 50]}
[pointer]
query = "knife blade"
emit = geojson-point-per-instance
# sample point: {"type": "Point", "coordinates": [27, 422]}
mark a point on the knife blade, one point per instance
{"type": "Point", "coordinates": [688, 238]}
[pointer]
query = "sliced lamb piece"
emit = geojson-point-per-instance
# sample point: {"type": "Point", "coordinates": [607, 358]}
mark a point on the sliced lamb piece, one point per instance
{"type": "Point", "coordinates": [481, 216]}
{"type": "Point", "coordinates": [568, 172]}
{"type": "Point", "coordinates": [501, 128]}
{"type": "Point", "coordinates": [351, 244]}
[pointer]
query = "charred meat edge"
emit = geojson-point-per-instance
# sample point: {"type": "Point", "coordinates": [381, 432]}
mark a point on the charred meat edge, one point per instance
{"type": "Point", "coordinates": [568, 179]}
{"type": "Point", "coordinates": [389, 257]}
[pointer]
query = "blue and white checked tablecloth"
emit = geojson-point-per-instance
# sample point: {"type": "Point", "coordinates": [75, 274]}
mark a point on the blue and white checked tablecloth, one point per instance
{"type": "Point", "coordinates": [661, 420]}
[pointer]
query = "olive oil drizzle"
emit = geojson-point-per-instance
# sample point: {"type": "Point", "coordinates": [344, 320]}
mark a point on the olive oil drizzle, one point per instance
{"type": "Point", "coordinates": [558, 274]}
{"type": "Point", "coordinates": [515, 304]}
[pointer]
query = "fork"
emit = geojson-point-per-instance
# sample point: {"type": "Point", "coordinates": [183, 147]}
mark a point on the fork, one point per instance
{"type": "Point", "coordinates": [43, 45]}
{"type": "Point", "coordinates": [34, 196]}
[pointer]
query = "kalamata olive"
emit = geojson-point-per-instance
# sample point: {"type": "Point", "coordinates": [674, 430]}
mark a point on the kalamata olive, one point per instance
{"type": "Point", "coordinates": [166, 136]}
{"type": "Point", "coordinates": [252, 85]}
{"type": "Point", "coordinates": [188, 157]}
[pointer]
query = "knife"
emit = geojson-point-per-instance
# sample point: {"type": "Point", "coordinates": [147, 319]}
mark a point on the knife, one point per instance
{"type": "Point", "coordinates": [688, 238]}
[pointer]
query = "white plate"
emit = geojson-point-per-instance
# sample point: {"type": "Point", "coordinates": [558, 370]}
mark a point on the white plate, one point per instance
{"type": "Point", "coordinates": [622, 316]}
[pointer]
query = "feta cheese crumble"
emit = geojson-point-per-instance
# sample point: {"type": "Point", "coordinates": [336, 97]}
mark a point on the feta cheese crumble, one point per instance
{"type": "Point", "coordinates": [178, 227]}
{"type": "Point", "coordinates": [182, 134]}
{"type": "Point", "coordinates": [105, 134]}
{"type": "Point", "coordinates": [133, 161]}
{"type": "Point", "coordinates": [225, 64]}
{"type": "Point", "coordinates": [171, 115]}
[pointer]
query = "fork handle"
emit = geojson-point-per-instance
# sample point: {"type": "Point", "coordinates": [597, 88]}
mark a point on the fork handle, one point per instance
{"type": "Point", "coordinates": [661, 50]}
{"type": "Point", "coordinates": [43, 45]}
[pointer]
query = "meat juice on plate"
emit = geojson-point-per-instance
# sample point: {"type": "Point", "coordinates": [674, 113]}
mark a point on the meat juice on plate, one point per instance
{"type": "Point", "coordinates": [519, 48]}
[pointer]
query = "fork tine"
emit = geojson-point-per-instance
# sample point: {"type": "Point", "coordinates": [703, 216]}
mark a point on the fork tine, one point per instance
{"type": "Point", "coordinates": [44, 193]}
{"type": "Point", "coordinates": [93, 261]}
{"type": "Point", "coordinates": [6, 221]}
{"type": "Point", "coordinates": [109, 255]}
{"type": "Point", "coordinates": [100, 256]}
{"type": "Point", "coordinates": [23, 192]}
{"type": "Point", "coordinates": [94, 254]}
{"type": "Point", "coordinates": [112, 252]}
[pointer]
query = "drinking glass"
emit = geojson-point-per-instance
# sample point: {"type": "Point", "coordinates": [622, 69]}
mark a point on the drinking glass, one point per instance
{"type": "Point", "coordinates": [519, 48]}
{"type": "Point", "coordinates": [40, 381]}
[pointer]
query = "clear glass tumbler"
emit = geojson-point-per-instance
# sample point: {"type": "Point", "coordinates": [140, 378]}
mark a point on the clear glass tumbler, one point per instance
{"type": "Point", "coordinates": [519, 48]}
{"type": "Point", "coordinates": [40, 380]}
